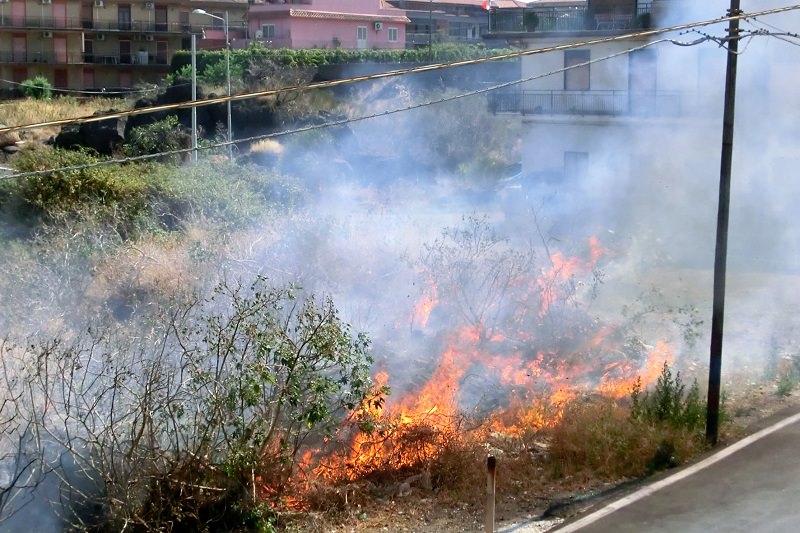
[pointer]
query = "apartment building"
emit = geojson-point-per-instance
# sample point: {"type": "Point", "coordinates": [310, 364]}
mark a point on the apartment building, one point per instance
{"type": "Point", "coordinates": [107, 44]}
{"type": "Point", "coordinates": [598, 106]}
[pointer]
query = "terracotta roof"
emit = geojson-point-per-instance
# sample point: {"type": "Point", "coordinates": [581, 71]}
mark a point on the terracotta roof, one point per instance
{"type": "Point", "coordinates": [329, 15]}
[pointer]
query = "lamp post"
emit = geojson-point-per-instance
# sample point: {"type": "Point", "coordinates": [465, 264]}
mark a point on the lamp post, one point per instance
{"type": "Point", "coordinates": [430, 25]}
{"type": "Point", "coordinates": [227, 71]}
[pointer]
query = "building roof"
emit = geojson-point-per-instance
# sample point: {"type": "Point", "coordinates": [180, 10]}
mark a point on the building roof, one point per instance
{"type": "Point", "coordinates": [330, 15]}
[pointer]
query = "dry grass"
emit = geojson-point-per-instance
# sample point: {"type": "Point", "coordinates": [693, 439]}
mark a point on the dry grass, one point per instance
{"type": "Point", "coordinates": [30, 111]}
{"type": "Point", "coordinates": [597, 439]}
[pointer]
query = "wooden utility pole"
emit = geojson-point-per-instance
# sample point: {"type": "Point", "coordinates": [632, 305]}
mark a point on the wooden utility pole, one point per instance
{"type": "Point", "coordinates": [720, 257]}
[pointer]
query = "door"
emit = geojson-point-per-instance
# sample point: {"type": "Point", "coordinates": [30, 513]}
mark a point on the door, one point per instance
{"type": "Point", "coordinates": [60, 49]}
{"type": "Point", "coordinates": [161, 52]}
{"type": "Point", "coordinates": [161, 18]}
{"type": "Point", "coordinates": [18, 13]}
{"type": "Point", "coordinates": [88, 51]}
{"type": "Point", "coordinates": [361, 37]}
{"type": "Point", "coordinates": [642, 71]}
{"type": "Point", "coordinates": [88, 78]}
{"type": "Point", "coordinates": [577, 78]}
{"type": "Point", "coordinates": [19, 74]}
{"type": "Point", "coordinates": [60, 13]}
{"type": "Point", "coordinates": [124, 17]}
{"type": "Point", "coordinates": [87, 15]}
{"type": "Point", "coordinates": [125, 79]}
{"type": "Point", "coordinates": [60, 78]}
{"type": "Point", "coordinates": [125, 52]}
{"type": "Point", "coordinates": [19, 47]}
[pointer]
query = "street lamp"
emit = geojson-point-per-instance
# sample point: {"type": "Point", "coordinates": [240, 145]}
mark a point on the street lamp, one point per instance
{"type": "Point", "coordinates": [227, 72]}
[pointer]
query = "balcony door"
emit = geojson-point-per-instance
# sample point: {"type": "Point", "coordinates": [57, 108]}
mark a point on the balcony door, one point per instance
{"type": "Point", "coordinates": [124, 17]}
{"type": "Point", "coordinates": [162, 53]}
{"type": "Point", "coordinates": [87, 15]}
{"type": "Point", "coordinates": [642, 82]}
{"type": "Point", "coordinates": [60, 49]}
{"type": "Point", "coordinates": [577, 78]}
{"type": "Point", "coordinates": [125, 52]}
{"type": "Point", "coordinates": [18, 13]}
{"type": "Point", "coordinates": [19, 47]}
{"type": "Point", "coordinates": [361, 37]}
{"type": "Point", "coordinates": [161, 18]}
{"type": "Point", "coordinates": [60, 13]}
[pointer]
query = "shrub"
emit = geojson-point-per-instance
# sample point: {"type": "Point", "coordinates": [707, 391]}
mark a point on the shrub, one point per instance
{"type": "Point", "coordinates": [669, 402]}
{"type": "Point", "coordinates": [161, 136]}
{"type": "Point", "coordinates": [197, 424]}
{"type": "Point", "coordinates": [39, 88]}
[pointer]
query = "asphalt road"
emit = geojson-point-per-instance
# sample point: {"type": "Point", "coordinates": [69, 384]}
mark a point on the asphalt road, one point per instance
{"type": "Point", "coordinates": [751, 486]}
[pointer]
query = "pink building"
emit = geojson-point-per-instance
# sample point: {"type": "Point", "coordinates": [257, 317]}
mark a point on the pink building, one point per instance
{"type": "Point", "coordinates": [327, 24]}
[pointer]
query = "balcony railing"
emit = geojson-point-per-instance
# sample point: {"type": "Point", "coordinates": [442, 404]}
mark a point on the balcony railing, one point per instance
{"type": "Point", "coordinates": [593, 103]}
{"type": "Point", "coordinates": [557, 19]}
{"type": "Point", "coordinates": [51, 58]}
{"type": "Point", "coordinates": [134, 26]}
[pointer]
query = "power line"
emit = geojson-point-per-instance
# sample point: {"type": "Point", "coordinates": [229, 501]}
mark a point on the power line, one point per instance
{"type": "Point", "coordinates": [345, 121]}
{"type": "Point", "coordinates": [399, 72]}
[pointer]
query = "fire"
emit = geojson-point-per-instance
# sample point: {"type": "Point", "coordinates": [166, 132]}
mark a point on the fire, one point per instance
{"type": "Point", "coordinates": [423, 309]}
{"type": "Point", "coordinates": [531, 379]}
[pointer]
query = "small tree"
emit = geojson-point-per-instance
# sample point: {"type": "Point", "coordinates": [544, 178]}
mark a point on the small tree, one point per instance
{"type": "Point", "coordinates": [39, 88]}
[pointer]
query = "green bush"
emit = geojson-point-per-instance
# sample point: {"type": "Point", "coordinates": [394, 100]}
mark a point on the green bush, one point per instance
{"type": "Point", "coordinates": [38, 87]}
{"type": "Point", "coordinates": [669, 402]}
{"type": "Point", "coordinates": [142, 196]}
{"type": "Point", "coordinates": [198, 421]}
{"type": "Point", "coordinates": [162, 136]}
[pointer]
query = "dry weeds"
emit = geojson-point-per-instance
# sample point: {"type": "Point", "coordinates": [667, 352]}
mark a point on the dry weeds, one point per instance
{"type": "Point", "coordinates": [30, 111]}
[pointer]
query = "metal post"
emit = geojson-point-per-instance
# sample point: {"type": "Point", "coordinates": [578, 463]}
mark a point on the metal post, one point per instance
{"type": "Point", "coordinates": [228, 76]}
{"type": "Point", "coordinates": [430, 25]}
{"type": "Point", "coordinates": [194, 98]}
{"type": "Point", "coordinates": [491, 477]}
{"type": "Point", "coordinates": [720, 257]}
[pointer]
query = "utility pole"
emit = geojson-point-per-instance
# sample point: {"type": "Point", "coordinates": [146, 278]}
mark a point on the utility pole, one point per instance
{"type": "Point", "coordinates": [720, 257]}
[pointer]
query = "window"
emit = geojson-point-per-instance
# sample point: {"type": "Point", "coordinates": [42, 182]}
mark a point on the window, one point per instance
{"type": "Point", "coordinates": [392, 35]}
{"type": "Point", "coordinates": [218, 23]}
{"type": "Point", "coordinates": [362, 33]}
{"type": "Point", "coordinates": [268, 31]}
{"type": "Point", "coordinates": [576, 165]}
{"type": "Point", "coordinates": [577, 78]}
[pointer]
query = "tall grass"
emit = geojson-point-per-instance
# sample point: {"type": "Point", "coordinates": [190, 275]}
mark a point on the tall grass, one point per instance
{"type": "Point", "coordinates": [31, 111]}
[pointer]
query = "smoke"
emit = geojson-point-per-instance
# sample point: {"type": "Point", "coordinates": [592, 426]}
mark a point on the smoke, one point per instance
{"type": "Point", "coordinates": [381, 193]}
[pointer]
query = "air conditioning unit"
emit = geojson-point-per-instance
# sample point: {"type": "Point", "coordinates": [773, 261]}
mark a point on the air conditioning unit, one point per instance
{"type": "Point", "coordinates": [47, 35]}
{"type": "Point", "coordinates": [46, 2]}
{"type": "Point", "coordinates": [378, 26]}
{"type": "Point", "coordinates": [259, 34]}
{"type": "Point", "coordinates": [100, 37]}
{"type": "Point", "coordinates": [149, 6]}
{"type": "Point", "coordinates": [99, 3]}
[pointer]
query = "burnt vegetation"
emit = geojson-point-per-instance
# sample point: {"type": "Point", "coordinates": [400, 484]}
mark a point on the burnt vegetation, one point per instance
{"type": "Point", "coordinates": [150, 401]}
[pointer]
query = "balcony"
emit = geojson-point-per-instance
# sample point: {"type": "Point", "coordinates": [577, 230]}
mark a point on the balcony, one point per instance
{"type": "Point", "coordinates": [592, 103]}
{"type": "Point", "coordinates": [52, 58]}
{"type": "Point", "coordinates": [566, 19]}
{"type": "Point", "coordinates": [135, 26]}
{"type": "Point", "coordinates": [48, 58]}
